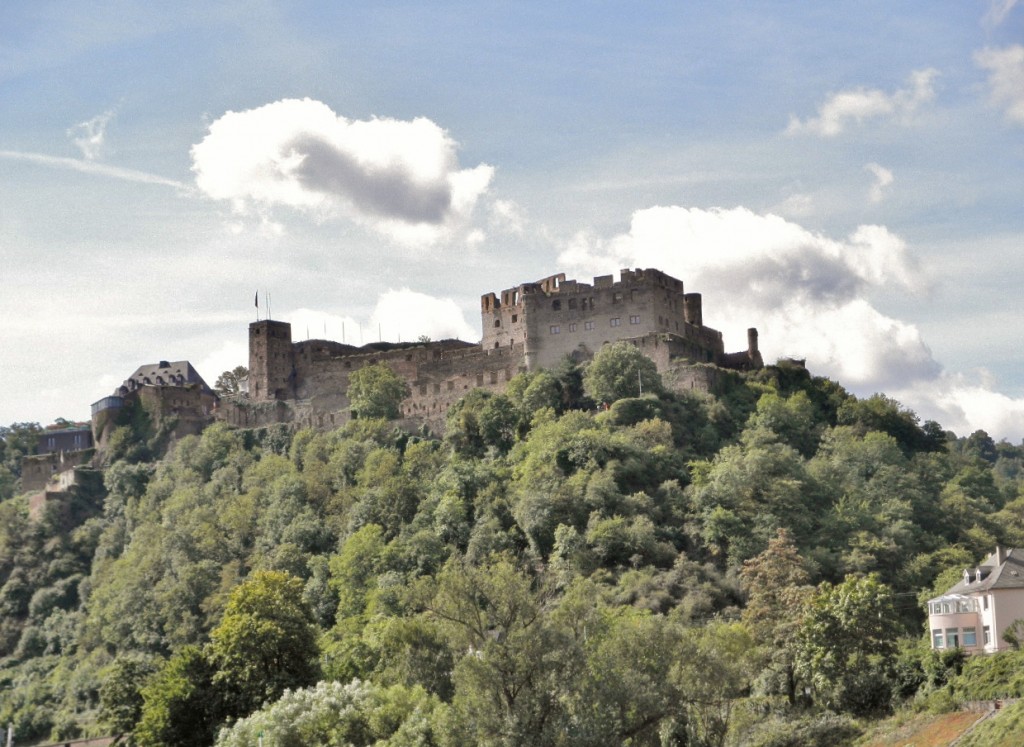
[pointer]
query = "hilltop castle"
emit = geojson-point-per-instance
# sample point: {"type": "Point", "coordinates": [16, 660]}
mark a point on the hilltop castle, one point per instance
{"type": "Point", "coordinates": [531, 326]}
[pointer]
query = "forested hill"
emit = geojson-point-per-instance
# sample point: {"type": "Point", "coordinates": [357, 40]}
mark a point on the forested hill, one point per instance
{"type": "Point", "coordinates": [570, 565]}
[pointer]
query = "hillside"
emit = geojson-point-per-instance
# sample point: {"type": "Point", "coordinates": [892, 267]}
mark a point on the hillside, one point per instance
{"type": "Point", "coordinates": [550, 572]}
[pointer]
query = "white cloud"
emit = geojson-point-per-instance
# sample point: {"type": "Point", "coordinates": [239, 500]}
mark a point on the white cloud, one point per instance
{"type": "Point", "coordinates": [399, 178]}
{"type": "Point", "coordinates": [997, 12]}
{"type": "Point", "coordinates": [230, 354]}
{"type": "Point", "coordinates": [91, 167]}
{"type": "Point", "coordinates": [883, 178]}
{"type": "Point", "coordinates": [804, 291]}
{"type": "Point", "coordinates": [861, 104]}
{"type": "Point", "coordinates": [964, 403]}
{"type": "Point", "coordinates": [399, 316]}
{"type": "Point", "coordinates": [90, 135]}
{"type": "Point", "coordinates": [1005, 78]}
{"type": "Point", "coordinates": [796, 205]}
{"type": "Point", "coordinates": [506, 215]}
{"type": "Point", "coordinates": [405, 314]}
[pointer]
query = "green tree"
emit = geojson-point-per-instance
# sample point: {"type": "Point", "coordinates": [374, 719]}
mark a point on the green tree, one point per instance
{"type": "Point", "coordinates": [230, 382]}
{"type": "Point", "coordinates": [121, 692]}
{"type": "Point", "coordinates": [359, 714]}
{"type": "Point", "coordinates": [777, 587]}
{"type": "Point", "coordinates": [620, 370]}
{"type": "Point", "coordinates": [181, 705]}
{"type": "Point", "coordinates": [847, 645]}
{"type": "Point", "coordinates": [265, 643]}
{"type": "Point", "coordinates": [511, 655]}
{"type": "Point", "coordinates": [376, 392]}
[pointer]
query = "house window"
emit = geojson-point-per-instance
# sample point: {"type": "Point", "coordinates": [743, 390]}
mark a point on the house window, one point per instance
{"type": "Point", "coordinates": [572, 327]}
{"type": "Point", "coordinates": [937, 638]}
{"type": "Point", "coordinates": [555, 329]}
{"type": "Point", "coordinates": [634, 319]}
{"type": "Point", "coordinates": [984, 602]}
{"type": "Point", "coordinates": [952, 638]}
{"type": "Point", "coordinates": [616, 321]}
{"type": "Point", "coordinates": [588, 325]}
{"type": "Point", "coordinates": [970, 637]}
{"type": "Point", "coordinates": [986, 631]}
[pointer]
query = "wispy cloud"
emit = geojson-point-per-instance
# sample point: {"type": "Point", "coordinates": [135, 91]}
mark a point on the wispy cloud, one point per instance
{"type": "Point", "coordinates": [883, 178]}
{"type": "Point", "coordinates": [861, 104]}
{"type": "Point", "coordinates": [1005, 78]}
{"type": "Point", "coordinates": [92, 167]}
{"type": "Point", "coordinates": [998, 10]}
{"type": "Point", "coordinates": [90, 135]}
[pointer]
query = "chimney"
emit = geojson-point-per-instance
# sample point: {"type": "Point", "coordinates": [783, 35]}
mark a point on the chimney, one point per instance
{"type": "Point", "coordinates": [1000, 556]}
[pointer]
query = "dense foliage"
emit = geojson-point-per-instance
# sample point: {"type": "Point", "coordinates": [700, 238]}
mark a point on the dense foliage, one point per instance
{"type": "Point", "coordinates": [551, 572]}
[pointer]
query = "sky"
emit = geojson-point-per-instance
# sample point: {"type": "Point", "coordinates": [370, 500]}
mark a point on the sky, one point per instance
{"type": "Point", "coordinates": [846, 177]}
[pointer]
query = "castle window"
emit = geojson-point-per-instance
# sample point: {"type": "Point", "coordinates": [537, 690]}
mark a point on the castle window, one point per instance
{"type": "Point", "coordinates": [451, 385]}
{"type": "Point", "coordinates": [494, 377]}
{"type": "Point", "coordinates": [556, 305]}
{"type": "Point", "coordinates": [495, 344]}
{"type": "Point", "coordinates": [423, 389]}
{"type": "Point", "coordinates": [515, 318]}
{"type": "Point", "coordinates": [497, 322]}
{"type": "Point", "coordinates": [634, 319]}
{"type": "Point", "coordinates": [616, 321]}
{"type": "Point", "coordinates": [572, 303]}
{"type": "Point", "coordinates": [572, 327]}
{"type": "Point", "coordinates": [588, 325]}
{"type": "Point", "coordinates": [616, 297]}
{"type": "Point", "coordinates": [555, 329]}
{"type": "Point", "coordinates": [437, 388]}
{"type": "Point", "coordinates": [479, 379]}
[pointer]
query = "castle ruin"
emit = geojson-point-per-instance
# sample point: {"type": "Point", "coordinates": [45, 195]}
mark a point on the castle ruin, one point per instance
{"type": "Point", "coordinates": [532, 326]}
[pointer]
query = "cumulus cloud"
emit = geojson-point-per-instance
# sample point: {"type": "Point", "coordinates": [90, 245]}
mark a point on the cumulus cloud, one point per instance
{"type": "Point", "coordinates": [400, 178]}
{"type": "Point", "coordinates": [804, 291]}
{"type": "Point", "coordinates": [861, 104]}
{"type": "Point", "coordinates": [90, 135]}
{"type": "Point", "coordinates": [1005, 79]}
{"type": "Point", "coordinates": [407, 315]}
{"type": "Point", "coordinates": [883, 178]}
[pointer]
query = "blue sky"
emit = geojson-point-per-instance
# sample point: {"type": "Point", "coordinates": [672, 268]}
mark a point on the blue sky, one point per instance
{"type": "Point", "coordinates": [848, 178]}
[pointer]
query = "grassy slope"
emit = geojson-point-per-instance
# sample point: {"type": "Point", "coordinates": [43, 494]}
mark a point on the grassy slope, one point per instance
{"type": "Point", "coordinates": [921, 730]}
{"type": "Point", "coordinates": [1006, 729]}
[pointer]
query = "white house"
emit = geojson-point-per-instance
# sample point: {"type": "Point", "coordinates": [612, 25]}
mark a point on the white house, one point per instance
{"type": "Point", "coordinates": [974, 614]}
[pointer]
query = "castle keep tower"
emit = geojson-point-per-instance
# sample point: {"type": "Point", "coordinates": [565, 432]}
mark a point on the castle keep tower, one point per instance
{"type": "Point", "coordinates": [271, 364]}
{"type": "Point", "coordinates": [555, 317]}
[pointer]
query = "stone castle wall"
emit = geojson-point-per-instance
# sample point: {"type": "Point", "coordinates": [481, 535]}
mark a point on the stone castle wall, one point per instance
{"type": "Point", "coordinates": [532, 326]}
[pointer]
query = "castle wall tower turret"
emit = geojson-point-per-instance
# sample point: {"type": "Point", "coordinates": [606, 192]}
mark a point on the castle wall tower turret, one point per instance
{"type": "Point", "coordinates": [271, 364]}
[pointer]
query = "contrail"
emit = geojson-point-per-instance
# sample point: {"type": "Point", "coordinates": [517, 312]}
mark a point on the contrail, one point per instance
{"type": "Point", "coordinates": [91, 167]}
